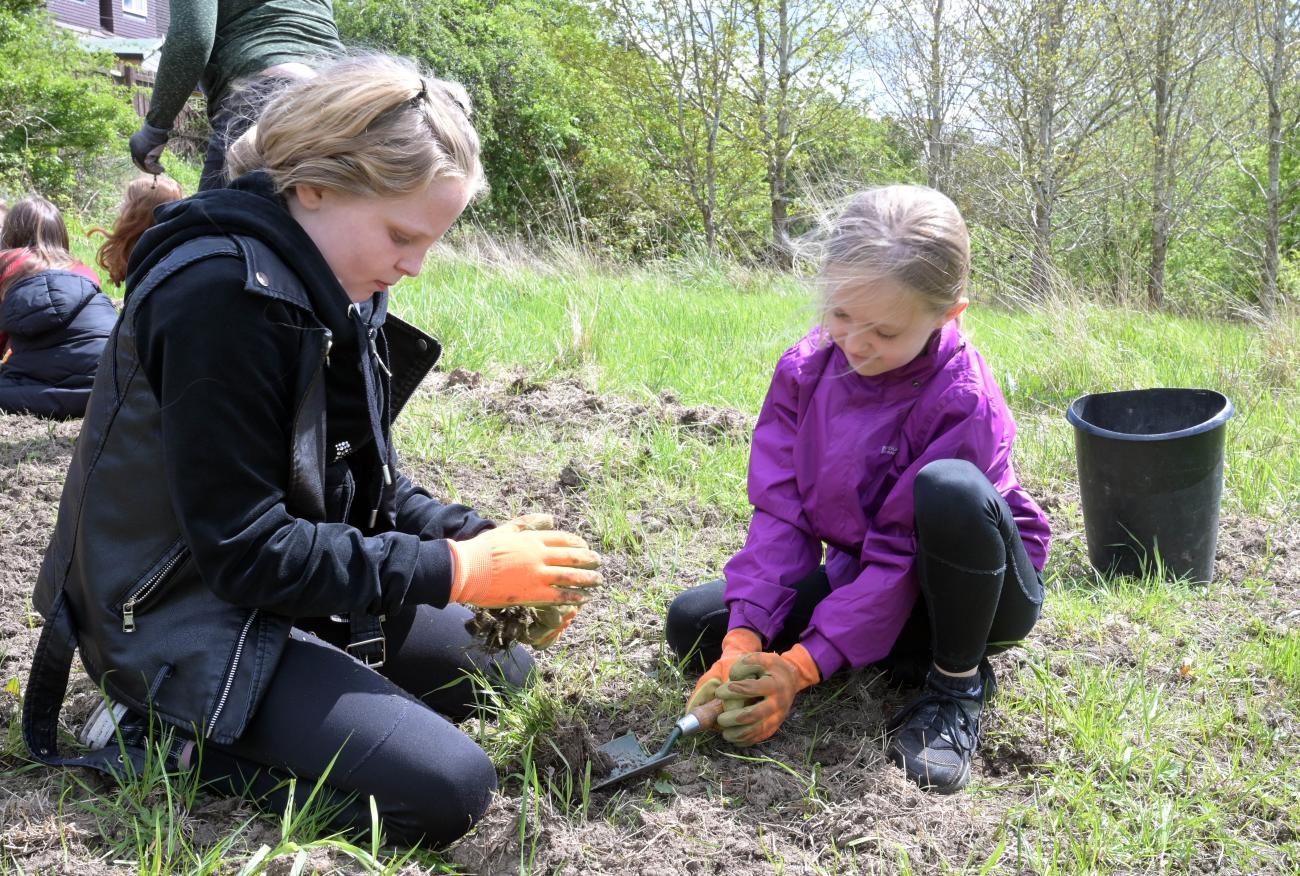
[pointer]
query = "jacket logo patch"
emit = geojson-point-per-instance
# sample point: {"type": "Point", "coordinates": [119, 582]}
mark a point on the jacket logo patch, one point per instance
{"type": "Point", "coordinates": [888, 450]}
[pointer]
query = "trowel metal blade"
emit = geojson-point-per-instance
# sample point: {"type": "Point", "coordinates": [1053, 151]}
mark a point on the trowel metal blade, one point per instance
{"type": "Point", "coordinates": [630, 760]}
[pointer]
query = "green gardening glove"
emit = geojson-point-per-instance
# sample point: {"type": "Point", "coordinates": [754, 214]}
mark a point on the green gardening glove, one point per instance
{"type": "Point", "coordinates": [548, 624]}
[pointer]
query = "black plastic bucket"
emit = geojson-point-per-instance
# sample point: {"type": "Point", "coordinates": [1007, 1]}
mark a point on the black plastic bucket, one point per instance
{"type": "Point", "coordinates": [1151, 479]}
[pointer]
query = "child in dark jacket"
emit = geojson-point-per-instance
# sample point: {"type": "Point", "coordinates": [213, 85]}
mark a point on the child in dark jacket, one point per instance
{"type": "Point", "coordinates": [54, 320]}
{"type": "Point", "coordinates": [884, 446]}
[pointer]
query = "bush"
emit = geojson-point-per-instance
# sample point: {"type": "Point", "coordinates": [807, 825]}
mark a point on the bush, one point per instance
{"type": "Point", "coordinates": [59, 112]}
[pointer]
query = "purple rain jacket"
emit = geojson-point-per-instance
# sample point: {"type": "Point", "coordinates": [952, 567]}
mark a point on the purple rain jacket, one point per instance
{"type": "Point", "coordinates": [833, 461]}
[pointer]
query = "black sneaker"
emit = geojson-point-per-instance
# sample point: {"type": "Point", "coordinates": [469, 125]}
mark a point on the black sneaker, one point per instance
{"type": "Point", "coordinates": [935, 736]}
{"type": "Point", "coordinates": [113, 733]}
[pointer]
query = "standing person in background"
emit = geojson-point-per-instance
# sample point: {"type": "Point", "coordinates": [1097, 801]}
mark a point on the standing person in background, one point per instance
{"type": "Point", "coordinates": [134, 217]}
{"type": "Point", "coordinates": [238, 51]}
{"type": "Point", "coordinates": [54, 320]}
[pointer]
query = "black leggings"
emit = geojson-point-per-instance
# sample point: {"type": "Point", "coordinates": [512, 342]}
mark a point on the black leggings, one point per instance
{"type": "Point", "coordinates": [389, 732]}
{"type": "Point", "coordinates": [979, 592]}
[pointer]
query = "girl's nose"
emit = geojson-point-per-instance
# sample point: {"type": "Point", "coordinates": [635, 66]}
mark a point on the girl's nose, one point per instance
{"type": "Point", "coordinates": [859, 344]}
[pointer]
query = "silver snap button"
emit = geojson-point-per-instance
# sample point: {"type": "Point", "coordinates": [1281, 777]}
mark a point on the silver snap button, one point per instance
{"type": "Point", "coordinates": [261, 278]}
{"type": "Point", "coordinates": [423, 345]}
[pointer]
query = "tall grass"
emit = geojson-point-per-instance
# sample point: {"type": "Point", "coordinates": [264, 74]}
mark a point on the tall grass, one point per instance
{"type": "Point", "coordinates": [708, 339]}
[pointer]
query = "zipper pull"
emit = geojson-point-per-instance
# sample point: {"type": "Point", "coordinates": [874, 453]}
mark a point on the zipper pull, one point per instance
{"type": "Point", "coordinates": [329, 345]}
{"type": "Point", "coordinates": [128, 618]}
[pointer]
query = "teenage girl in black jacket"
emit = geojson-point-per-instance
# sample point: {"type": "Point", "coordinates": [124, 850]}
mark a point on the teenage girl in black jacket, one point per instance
{"type": "Point", "coordinates": [234, 490]}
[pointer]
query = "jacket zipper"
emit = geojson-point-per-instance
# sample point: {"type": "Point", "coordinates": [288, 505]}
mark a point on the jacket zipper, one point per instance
{"type": "Point", "coordinates": [230, 676]}
{"type": "Point", "coordinates": [324, 361]}
{"type": "Point", "coordinates": [248, 624]}
{"type": "Point", "coordinates": [149, 588]}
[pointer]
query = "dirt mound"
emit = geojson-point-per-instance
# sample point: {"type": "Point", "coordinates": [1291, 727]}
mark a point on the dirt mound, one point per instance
{"type": "Point", "coordinates": [569, 403]}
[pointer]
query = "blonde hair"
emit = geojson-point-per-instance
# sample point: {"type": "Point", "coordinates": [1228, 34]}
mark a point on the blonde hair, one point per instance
{"type": "Point", "coordinates": [912, 234]}
{"type": "Point", "coordinates": [370, 125]}
{"type": "Point", "coordinates": [143, 195]}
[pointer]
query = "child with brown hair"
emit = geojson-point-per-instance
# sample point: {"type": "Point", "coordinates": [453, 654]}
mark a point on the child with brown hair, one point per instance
{"type": "Point", "coordinates": [143, 195]}
{"type": "Point", "coordinates": [54, 320]}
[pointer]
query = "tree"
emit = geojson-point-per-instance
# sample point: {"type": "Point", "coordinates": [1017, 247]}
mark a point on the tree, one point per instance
{"type": "Point", "coordinates": [1268, 42]}
{"type": "Point", "coordinates": [679, 92]}
{"type": "Point", "coordinates": [1166, 44]}
{"type": "Point", "coordinates": [1050, 88]}
{"type": "Point", "coordinates": [59, 111]}
{"type": "Point", "coordinates": [794, 78]}
{"type": "Point", "coordinates": [924, 57]}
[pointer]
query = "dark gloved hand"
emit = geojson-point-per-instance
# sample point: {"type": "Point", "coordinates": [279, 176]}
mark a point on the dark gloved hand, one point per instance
{"type": "Point", "coordinates": [147, 146]}
{"type": "Point", "coordinates": [773, 680]}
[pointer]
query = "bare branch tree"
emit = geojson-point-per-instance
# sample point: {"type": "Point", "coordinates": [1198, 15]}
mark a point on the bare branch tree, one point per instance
{"type": "Point", "coordinates": [1165, 45]}
{"type": "Point", "coordinates": [924, 58]}
{"type": "Point", "coordinates": [1049, 88]}
{"type": "Point", "coordinates": [793, 78]}
{"type": "Point", "coordinates": [1268, 41]}
{"type": "Point", "coordinates": [687, 51]}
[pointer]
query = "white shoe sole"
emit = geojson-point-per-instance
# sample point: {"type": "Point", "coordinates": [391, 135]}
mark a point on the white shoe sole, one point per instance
{"type": "Point", "coordinates": [101, 726]}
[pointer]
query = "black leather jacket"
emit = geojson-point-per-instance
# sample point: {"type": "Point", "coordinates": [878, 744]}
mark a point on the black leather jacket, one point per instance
{"type": "Point", "coordinates": [168, 616]}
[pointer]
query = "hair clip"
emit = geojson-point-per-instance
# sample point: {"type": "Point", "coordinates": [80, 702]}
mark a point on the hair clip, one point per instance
{"type": "Point", "coordinates": [422, 95]}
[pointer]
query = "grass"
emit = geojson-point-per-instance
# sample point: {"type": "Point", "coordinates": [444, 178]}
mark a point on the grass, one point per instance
{"type": "Point", "coordinates": [1151, 727]}
{"type": "Point", "coordinates": [710, 342]}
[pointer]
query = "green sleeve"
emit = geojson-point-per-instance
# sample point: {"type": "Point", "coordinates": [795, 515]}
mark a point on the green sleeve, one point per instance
{"type": "Point", "coordinates": [185, 52]}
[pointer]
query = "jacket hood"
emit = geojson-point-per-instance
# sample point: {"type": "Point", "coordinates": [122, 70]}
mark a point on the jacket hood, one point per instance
{"type": "Point", "coordinates": [45, 301]}
{"type": "Point", "coordinates": [251, 207]}
{"type": "Point", "coordinates": [248, 206]}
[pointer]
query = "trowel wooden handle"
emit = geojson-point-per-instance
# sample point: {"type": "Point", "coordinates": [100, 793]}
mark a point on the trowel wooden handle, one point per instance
{"type": "Point", "coordinates": [708, 713]}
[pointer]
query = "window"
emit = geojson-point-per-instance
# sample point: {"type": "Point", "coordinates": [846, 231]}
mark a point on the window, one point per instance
{"type": "Point", "coordinates": [136, 7]}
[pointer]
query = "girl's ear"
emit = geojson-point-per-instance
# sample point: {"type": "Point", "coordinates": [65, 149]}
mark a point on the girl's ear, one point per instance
{"type": "Point", "coordinates": [309, 197]}
{"type": "Point", "coordinates": [956, 310]}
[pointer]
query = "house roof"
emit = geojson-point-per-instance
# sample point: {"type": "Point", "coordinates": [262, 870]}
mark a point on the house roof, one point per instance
{"type": "Point", "coordinates": [143, 50]}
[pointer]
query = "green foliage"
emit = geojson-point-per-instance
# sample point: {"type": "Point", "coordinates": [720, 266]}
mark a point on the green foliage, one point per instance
{"type": "Point", "coordinates": [534, 118]}
{"type": "Point", "coordinates": [58, 112]}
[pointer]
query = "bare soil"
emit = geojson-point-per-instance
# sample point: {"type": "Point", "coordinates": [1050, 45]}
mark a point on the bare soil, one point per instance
{"type": "Point", "coordinates": [819, 797]}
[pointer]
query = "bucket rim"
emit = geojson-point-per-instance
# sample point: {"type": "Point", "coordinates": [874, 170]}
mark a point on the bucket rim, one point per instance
{"type": "Point", "coordinates": [1224, 414]}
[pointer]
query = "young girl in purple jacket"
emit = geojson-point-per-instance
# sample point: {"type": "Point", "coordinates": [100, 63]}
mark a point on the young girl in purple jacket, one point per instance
{"type": "Point", "coordinates": [885, 441]}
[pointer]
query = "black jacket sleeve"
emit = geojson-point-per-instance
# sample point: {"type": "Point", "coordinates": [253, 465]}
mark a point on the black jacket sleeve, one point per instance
{"type": "Point", "coordinates": [221, 361]}
{"type": "Point", "coordinates": [420, 514]}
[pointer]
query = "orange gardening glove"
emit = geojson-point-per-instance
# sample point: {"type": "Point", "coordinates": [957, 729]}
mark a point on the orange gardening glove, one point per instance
{"type": "Point", "coordinates": [772, 679]}
{"type": "Point", "coordinates": [736, 644]}
{"type": "Point", "coordinates": [506, 566]}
